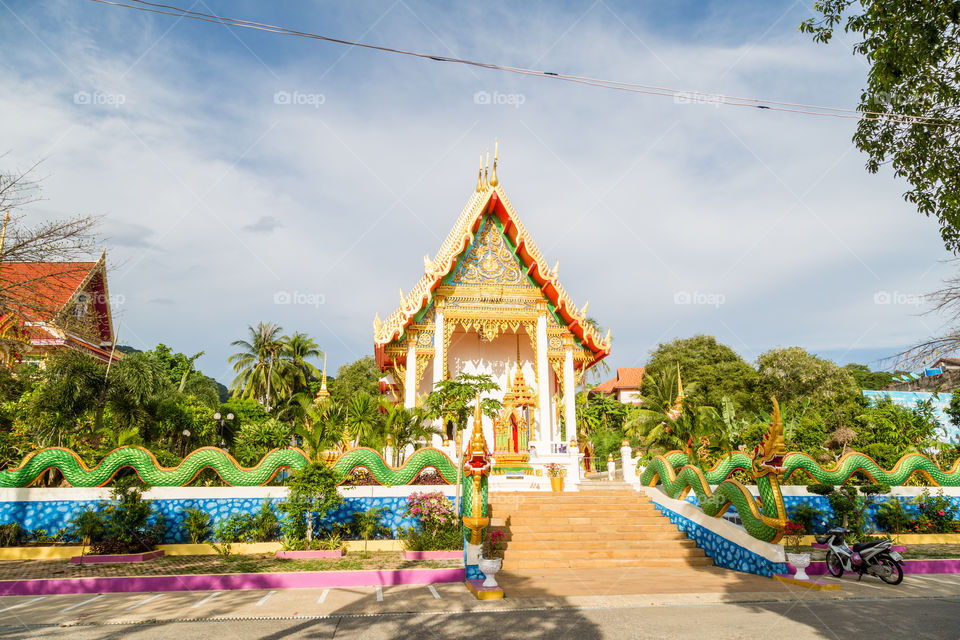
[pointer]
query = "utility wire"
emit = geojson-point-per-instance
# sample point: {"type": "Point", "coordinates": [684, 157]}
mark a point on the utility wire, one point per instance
{"type": "Point", "coordinates": [632, 87]}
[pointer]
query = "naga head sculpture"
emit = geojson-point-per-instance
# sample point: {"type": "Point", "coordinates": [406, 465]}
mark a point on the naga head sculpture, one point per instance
{"type": "Point", "coordinates": [769, 456]}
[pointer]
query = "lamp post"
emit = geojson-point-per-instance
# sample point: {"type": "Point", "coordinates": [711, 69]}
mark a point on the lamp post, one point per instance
{"type": "Point", "coordinates": [186, 440]}
{"type": "Point", "coordinates": [222, 422]}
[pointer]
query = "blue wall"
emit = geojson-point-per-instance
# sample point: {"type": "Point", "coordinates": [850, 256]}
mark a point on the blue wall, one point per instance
{"type": "Point", "coordinates": [56, 514]}
{"type": "Point", "coordinates": [822, 504]}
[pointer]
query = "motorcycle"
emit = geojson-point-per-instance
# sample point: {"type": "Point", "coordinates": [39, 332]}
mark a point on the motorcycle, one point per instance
{"type": "Point", "coordinates": [874, 558]}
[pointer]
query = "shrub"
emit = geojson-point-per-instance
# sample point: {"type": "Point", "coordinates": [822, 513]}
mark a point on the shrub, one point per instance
{"type": "Point", "coordinates": [122, 525]}
{"type": "Point", "coordinates": [437, 526]}
{"type": "Point", "coordinates": [197, 524]}
{"type": "Point", "coordinates": [807, 516]}
{"type": "Point", "coordinates": [12, 535]}
{"type": "Point", "coordinates": [937, 513]}
{"type": "Point", "coordinates": [892, 517]}
{"type": "Point", "coordinates": [313, 492]}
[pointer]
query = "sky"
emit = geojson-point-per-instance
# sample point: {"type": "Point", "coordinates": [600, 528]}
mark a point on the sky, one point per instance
{"type": "Point", "coordinates": [244, 176]}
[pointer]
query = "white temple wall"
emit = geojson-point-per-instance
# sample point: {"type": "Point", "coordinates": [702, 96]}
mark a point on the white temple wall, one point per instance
{"type": "Point", "coordinates": [498, 359]}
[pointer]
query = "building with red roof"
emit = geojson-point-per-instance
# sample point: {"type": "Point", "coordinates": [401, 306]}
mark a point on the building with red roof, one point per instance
{"type": "Point", "coordinates": [47, 306]}
{"type": "Point", "coordinates": [625, 386]}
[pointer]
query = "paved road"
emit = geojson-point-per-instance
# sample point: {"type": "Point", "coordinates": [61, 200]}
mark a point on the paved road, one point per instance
{"type": "Point", "coordinates": [923, 607]}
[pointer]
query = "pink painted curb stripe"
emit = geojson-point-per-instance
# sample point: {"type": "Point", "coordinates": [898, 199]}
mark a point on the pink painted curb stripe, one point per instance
{"type": "Point", "coordinates": [228, 582]}
{"type": "Point", "coordinates": [432, 555]}
{"type": "Point", "coordinates": [909, 566]}
{"type": "Point", "coordinates": [123, 557]}
{"type": "Point", "coordinates": [314, 553]}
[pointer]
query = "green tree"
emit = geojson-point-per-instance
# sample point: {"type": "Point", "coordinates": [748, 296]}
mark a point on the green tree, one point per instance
{"type": "Point", "coordinates": [406, 426]}
{"type": "Point", "coordinates": [256, 440]}
{"type": "Point", "coordinates": [360, 376]}
{"type": "Point", "coordinates": [710, 371]}
{"type": "Point", "coordinates": [911, 49]}
{"type": "Point", "coordinates": [363, 420]}
{"type": "Point", "coordinates": [298, 350]}
{"type": "Point", "coordinates": [867, 379]}
{"type": "Point", "coordinates": [323, 427]}
{"type": "Point", "coordinates": [313, 492]}
{"type": "Point", "coordinates": [791, 375]}
{"type": "Point", "coordinates": [260, 370]}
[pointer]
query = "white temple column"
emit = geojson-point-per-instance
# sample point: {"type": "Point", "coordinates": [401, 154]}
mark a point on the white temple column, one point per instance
{"type": "Point", "coordinates": [438, 367]}
{"type": "Point", "coordinates": [410, 384]}
{"type": "Point", "coordinates": [544, 431]}
{"type": "Point", "coordinates": [569, 395]}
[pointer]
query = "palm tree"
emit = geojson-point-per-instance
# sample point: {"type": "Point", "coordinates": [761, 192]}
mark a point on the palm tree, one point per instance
{"type": "Point", "coordinates": [362, 418]}
{"type": "Point", "coordinates": [406, 426]}
{"type": "Point", "coordinates": [297, 350]}
{"type": "Point", "coordinates": [322, 427]}
{"type": "Point", "coordinates": [258, 367]}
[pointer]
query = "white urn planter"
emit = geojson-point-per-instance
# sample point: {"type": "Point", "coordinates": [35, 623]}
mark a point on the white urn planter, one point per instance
{"type": "Point", "coordinates": [800, 562]}
{"type": "Point", "coordinates": [490, 567]}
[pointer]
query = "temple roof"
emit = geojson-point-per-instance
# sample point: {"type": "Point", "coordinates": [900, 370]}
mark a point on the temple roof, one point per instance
{"type": "Point", "coordinates": [40, 290]}
{"type": "Point", "coordinates": [490, 199]}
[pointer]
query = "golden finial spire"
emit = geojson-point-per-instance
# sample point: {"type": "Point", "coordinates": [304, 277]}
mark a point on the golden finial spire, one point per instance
{"type": "Point", "coordinates": [323, 395]}
{"type": "Point", "coordinates": [377, 323]}
{"type": "Point", "coordinates": [486, 170]}
{"type": "Point", "coordinates": [679, 383]}
{"type": "Point", "coordinates": [607, 338]}
{"type": "Point", "coordinates": [556, 269]}
{"type": "Point", "coordinates": [480, 175]}
{"type": "Point", "coordinates": [493, 174]}
{"type": "Point", "coordinates": [583, 311]}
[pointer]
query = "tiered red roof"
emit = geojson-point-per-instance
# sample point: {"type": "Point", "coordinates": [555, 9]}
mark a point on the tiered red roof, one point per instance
{"type": "Point", "coordinates": [490, 199]}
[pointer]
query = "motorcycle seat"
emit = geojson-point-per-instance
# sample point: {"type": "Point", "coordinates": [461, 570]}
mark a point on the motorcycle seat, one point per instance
{"type": "Point", "coordinates": [860, 546]}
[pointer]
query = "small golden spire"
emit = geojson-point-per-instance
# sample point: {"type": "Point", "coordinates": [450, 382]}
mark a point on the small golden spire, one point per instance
{"type": "Point", "coordinates": [606, 339]}
{"type": "Point", "coordinates": [493, 174]}
{"type": "Point", "coordinates": [486, 170]}
{"type": "Point", "coordinates": [377, 323]}
{"type": "Point", "coordinates": [480, 175]}
{"type": "Point", "coordinates": [583, 311]}
{"type": "Point", "coordinates": [403, 299]}
{"type": "Point", "coordinates": [427, 263]}
{"type": "Point", "coordinates": [556, 269]}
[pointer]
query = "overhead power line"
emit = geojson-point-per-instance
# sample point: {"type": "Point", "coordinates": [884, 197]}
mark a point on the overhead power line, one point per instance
{"type": "Point", "coordinates": [632, 87]}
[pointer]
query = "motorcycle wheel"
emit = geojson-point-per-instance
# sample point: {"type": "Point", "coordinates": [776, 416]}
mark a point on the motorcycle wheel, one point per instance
{"type": "Point", "coordinates": [834, 565]}
{"type": "Point", "coordinates": [896, 571]}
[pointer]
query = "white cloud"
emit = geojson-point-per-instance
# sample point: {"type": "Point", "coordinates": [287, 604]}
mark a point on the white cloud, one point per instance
{"type": "Point", "coordinates": [638, 197]}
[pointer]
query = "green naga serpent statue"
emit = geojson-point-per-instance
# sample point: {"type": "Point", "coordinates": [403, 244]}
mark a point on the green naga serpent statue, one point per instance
{"type": "Point", "coordinates": [77, 474]}
{"type": "Point", "coordinates": [764, 521]}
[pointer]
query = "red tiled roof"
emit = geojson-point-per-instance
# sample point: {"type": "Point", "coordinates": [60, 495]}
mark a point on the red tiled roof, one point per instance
{"type": "Point", "coordinates": [39, 290]}
{"type": "Point", "coordinates": [626, 378]}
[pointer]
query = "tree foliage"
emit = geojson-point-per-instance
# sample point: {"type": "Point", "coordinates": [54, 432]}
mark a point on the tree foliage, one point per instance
{"type": "Point", "coordinates": [911, 49]}
{"type": "Point", "coordinates": [710, 371]}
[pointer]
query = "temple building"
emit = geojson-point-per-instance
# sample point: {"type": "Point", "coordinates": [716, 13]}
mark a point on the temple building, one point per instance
{"type": "Point", "coordinates": [489, 304]}
{"type": "Point", "coordinates": [48, 306]}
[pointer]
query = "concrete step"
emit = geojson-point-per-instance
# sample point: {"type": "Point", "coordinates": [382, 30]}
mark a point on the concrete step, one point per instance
{"type": "Point", "coordinates": [652, 533]}
{"type": "Point", "coordinates": [547, 507]}
{"type": "Point", "coordinates": [625, 554]}
{"type": "Point", "coordinates": [597, 563]}
{"type": "Point", "coordinates": [590, 530]}
{"type": "Point", "coordinates": [526, 544]}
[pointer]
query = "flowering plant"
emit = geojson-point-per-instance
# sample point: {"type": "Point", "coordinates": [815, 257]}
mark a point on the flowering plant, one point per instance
{"type": "Point", "coordinates": [494, 542]}
{"type": "Point", "coordinates": [555, 470]}
{"type": "Point", "coordinates": [434, 510]}
{"type": "Point", "coordinates": [792, 533]}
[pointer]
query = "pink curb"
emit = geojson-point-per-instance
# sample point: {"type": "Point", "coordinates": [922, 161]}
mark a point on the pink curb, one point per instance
{"type": "Point", "coordinates": [951, 565]}
{"type": "Point", "coordinates": [432, 555]}
{"type": "Point", "coordinates": [233, 581]}
{"type": "Point", "coordinates": [117, 558]}
{"type": "Point", "coordinates": [313, 553]}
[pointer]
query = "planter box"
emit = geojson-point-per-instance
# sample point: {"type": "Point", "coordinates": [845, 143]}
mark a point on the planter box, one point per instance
{"type": "Point", "coordinates": [204, 549]}
{"type": "Point", "coordinates": [117, 558]}
{"type": "Point", "coordinates": [433, 555]}
{"type": "Point", "coordinates": [312, 553]}
{"type": "Point", "coordinates": [40, 553]}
